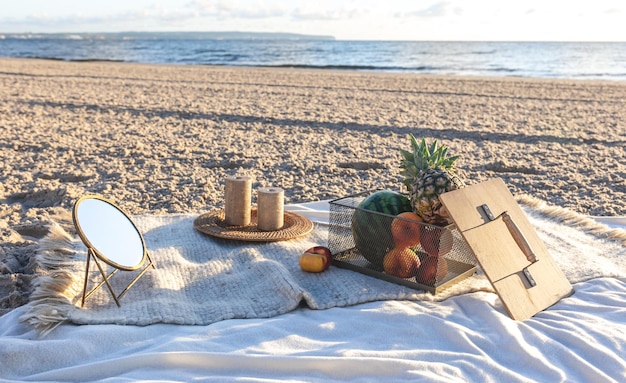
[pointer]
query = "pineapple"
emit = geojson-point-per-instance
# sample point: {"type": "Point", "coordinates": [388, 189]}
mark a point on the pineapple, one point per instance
{"type": "Point", "coordinates": [428, 172]}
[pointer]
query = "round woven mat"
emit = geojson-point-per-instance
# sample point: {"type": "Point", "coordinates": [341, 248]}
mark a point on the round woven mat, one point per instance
{"type": "Point", "coordinates": [213, 223]}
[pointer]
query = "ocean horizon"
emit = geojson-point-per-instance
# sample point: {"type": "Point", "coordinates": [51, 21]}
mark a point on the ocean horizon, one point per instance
{"type": "Point", "coordinates": [567, 60]}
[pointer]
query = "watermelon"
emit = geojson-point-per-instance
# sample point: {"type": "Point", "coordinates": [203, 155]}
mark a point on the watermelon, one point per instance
{"type": "Point", "coordinates": [371, 224]}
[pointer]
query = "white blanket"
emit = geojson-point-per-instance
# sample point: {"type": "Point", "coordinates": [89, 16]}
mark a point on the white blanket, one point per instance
{"type": "Point", "coordinates": [464, 338]}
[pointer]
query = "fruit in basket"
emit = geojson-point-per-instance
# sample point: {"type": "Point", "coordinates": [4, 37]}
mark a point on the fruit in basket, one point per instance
{"type": "Point", "coordinates": [428, 172]}
{"type": "Point", "coordinates": [432, 270]}
{"type": "Point", "coordinates": [401, 262]}
{"type": "Point", "coordinates": [316, 259]}
{"type": "Point", "coordinates": [436, 241]}
{"type": "Point", "coordinates": [405, 229]}
{"type": "Point", "coordinates": [371, 224]}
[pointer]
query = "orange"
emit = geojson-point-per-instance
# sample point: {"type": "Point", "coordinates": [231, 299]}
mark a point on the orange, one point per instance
{"type": "Point", "coordinates": [405, 229]}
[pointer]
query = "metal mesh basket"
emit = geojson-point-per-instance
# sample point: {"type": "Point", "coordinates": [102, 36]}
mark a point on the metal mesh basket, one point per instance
{"type": "Point", "coordinates": [397, 249]}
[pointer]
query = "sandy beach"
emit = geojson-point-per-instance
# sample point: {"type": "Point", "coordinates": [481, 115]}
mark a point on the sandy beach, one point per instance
{"type": "Point", "coordinates": [161, 139]}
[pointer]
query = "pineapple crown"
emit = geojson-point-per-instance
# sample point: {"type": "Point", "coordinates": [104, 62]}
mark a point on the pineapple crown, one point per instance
{"type": "Point", "coordinates": [422, 157]}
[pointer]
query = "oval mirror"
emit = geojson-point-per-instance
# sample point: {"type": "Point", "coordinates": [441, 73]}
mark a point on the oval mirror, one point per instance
{"type": "Point", "coordinates": [109, 233]}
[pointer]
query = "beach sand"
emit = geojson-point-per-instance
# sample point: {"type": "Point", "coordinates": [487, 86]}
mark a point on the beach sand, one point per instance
{"type": "Point", "coordinates": [161, 138]}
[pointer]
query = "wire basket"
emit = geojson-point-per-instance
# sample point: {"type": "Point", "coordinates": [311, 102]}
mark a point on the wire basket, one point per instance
{"type": "Point", "coordinates": [398, 249]}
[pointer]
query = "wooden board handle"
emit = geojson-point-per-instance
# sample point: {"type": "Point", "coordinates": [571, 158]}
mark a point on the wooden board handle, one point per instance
{"type": "Point", "coordinates": [519, 237]}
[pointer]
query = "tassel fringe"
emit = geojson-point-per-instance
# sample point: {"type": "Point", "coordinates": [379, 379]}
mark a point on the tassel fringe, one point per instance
{"type": "Point", "coordinates": [56, 290]}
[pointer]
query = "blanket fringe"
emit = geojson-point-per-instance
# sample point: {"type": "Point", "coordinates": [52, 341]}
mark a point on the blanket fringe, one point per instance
{"type": "Point", "coordinates": [573, 219]}
{"type": "Point", "coordinates": [57, 283]}
{"type": "Point", "coordinates": [58, 287]}
{"type": "Point", "coordinates": [56, 249]}
{"type": "Point", "coordinates": [46, 316]}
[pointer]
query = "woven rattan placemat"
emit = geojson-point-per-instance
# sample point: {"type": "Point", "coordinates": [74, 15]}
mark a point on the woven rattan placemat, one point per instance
{"type": "Point", "coordinates": [214, 224]}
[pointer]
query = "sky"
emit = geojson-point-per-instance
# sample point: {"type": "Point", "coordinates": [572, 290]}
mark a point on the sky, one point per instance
{"type": "Point", "coordinates": [458, 20]}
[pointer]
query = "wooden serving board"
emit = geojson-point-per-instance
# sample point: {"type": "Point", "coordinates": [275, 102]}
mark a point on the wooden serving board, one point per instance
{"type": "Point", "coordinates": [502, 259]}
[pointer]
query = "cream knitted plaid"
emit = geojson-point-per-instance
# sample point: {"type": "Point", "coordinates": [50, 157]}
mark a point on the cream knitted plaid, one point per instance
{"type": "Point", "coordinates": [199, 279]}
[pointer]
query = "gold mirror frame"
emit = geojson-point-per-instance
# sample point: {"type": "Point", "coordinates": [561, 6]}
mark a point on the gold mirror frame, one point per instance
{"type": "Point", "coordinates": [96, 252]}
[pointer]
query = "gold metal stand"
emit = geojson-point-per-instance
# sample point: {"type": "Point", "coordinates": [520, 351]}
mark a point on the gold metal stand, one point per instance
{"type": "Point", "coordinates": [106, 277]}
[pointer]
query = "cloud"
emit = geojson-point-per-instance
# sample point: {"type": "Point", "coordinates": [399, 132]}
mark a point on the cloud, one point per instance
{"type": "Point", "coordinates": [439, 9]}
{"type": "Point", "coordinates": [183, 15]}
{"type": "Point", "coordinates": [321, 14]}
{"type": "Point", "coordinates": [122, 20]}
{"type": "Point", "coordinates": [229, 9]}
{"type": "Point", "coordinates": [263, 10]}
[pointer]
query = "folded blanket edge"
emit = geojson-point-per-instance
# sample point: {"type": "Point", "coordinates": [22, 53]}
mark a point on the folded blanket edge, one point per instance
{"type": "Point", "coordinates": [573, 219]}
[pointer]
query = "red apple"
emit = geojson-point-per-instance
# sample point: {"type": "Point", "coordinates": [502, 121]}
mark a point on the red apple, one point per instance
{"type": "Point", "coordinates": [432, 270]}
{"type": "Point", "coordinates": [436, 241]}
{"type": "Point", "coordinates": [316, 259]}
{"type": "Point", "coordinates": [405, 229]}
{"type": "Point", "coordinates": [401, 262]}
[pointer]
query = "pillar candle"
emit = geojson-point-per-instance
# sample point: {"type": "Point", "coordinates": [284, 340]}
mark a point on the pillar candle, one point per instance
{"type": "Point", "coordinates": [238, 197]}
{"type": "Point", "coordinates": [270, 209]}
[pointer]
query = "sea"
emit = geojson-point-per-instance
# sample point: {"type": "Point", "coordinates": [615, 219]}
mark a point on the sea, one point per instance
{"type": "Point", "coordinates": [568, 60]}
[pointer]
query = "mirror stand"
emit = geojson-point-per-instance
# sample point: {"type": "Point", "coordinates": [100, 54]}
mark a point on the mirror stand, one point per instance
{"type": "Point", "coordinates": [106, 277]}
{"type": "Point", "coordinates": [111, 237]}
